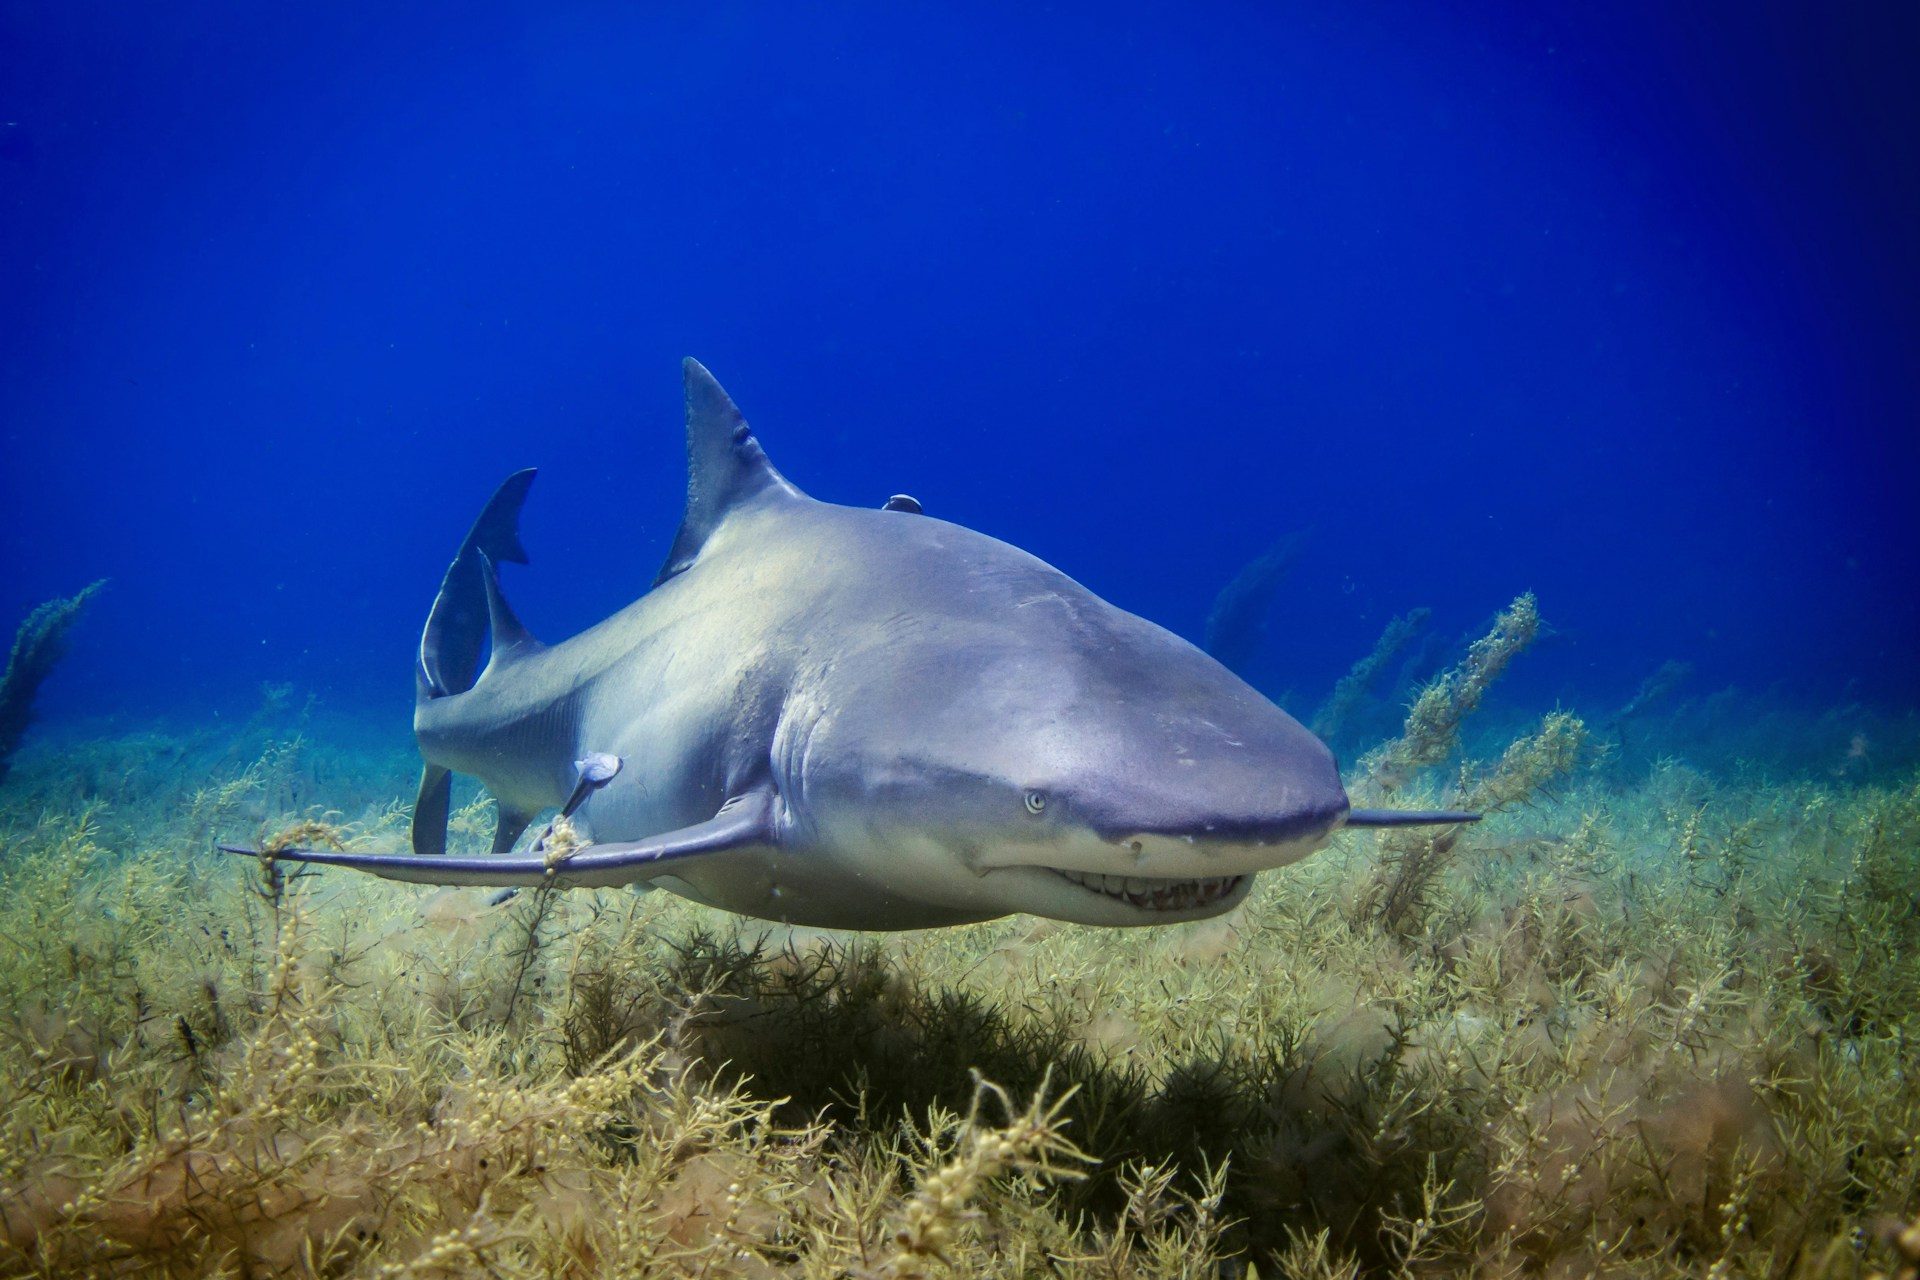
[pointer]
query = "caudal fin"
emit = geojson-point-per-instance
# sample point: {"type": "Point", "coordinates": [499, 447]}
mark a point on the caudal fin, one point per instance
{"type": "Point", "coordinates": [464, 613]}
{"type": "Point", "coordinates": [457, 626]}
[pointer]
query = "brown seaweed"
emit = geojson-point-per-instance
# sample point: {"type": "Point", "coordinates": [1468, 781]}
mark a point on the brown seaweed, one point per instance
{"type": "Point", "coordinates": [1673, 1037]}
{"type": "Point", "coordinates": [37, 647]}
{"type": "Point", "coordinates": [1237, 622]}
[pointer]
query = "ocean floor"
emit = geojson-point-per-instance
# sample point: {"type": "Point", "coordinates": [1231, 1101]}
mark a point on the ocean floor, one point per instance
{"type": "Point", "coordinates": [1648, 1019]}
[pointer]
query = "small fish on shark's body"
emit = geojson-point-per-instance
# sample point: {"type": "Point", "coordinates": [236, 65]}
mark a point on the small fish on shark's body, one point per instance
{"type": "Point", "coordinates": [852, 718]}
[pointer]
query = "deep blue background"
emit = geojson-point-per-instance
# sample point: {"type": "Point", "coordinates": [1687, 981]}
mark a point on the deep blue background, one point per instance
{"type": "Point", "coordinates": [1615, 303]}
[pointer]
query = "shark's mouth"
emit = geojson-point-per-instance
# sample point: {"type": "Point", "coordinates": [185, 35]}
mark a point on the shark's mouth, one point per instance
{"type": "Point", "coordinates": [1151, 893]}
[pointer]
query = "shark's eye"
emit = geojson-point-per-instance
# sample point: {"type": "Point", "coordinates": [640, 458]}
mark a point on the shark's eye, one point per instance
{"type": "Point", "coordinates": [1036, 801]}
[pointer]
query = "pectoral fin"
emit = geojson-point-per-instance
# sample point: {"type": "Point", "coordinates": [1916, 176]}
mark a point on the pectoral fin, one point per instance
{"type": "Point", "coordinates": [742, 822]}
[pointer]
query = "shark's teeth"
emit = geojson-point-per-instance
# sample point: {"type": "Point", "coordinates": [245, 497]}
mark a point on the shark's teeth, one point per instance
{"type": "Point", "coordinates": [1151, 894]}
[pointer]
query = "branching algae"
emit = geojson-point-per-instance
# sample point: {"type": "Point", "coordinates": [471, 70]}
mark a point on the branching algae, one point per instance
{"type": "Point", "coordinates": [1635, 1027]}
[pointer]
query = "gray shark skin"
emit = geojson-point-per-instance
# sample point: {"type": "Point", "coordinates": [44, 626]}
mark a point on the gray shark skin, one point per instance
{"type": "Point", "coordinates": [855, 718]}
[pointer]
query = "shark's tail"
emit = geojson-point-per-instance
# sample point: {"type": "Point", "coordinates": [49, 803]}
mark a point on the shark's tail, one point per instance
{"type": "Point", "coordinates": [456, 636]}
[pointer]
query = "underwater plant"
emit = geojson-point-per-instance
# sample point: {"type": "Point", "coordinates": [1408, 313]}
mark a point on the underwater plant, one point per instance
{"type": "Point", "coordinates": [1412, 862]}
{"type": "Point", "coordinates": [1657, 1024]}
{"type": "Point", "coordinates": [1433, 722]}
{"type": "Point", "coordinates": [1331, 720]}
{"type": "Point", "coordinates": [1237, 622]}
{"type": "Point", "coordinates": [38, 645]}
{"type": "Point", "coordinates": [1658, 687]}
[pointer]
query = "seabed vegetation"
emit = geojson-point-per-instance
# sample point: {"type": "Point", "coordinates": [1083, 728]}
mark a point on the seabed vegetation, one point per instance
{"type": "Point", "coordinates": [1645, 1020]}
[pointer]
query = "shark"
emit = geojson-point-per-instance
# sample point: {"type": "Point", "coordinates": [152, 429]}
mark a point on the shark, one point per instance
{"type": "Point", "coordinates": [851, 718]}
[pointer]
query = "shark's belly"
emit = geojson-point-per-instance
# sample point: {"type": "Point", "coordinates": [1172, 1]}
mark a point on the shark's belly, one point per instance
{"type": "Point", "coordinates": [810, 887]}
{"type": "Point", "coordinates": [525, 765]}
{"type": "Point", "coordinates": [792, 888]}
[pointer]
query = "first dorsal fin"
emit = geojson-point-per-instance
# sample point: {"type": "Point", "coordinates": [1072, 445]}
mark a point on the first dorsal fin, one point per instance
{"type": "Point", "coordinates": [726, 467]}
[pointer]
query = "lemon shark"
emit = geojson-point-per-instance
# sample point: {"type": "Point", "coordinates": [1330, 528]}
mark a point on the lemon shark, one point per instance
{"type": "Point", "coordinates": [852, 718]}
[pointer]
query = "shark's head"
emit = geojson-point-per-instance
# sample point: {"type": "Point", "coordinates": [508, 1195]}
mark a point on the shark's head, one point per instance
{"type": "Point", "coordinates": [1043, 751]}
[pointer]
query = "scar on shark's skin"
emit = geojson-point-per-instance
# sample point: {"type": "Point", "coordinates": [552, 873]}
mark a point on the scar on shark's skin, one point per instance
{"type": "Point", "coordinates": [835, 717]}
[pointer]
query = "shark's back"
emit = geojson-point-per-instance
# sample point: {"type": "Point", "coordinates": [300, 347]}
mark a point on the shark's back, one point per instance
{"type": "Point", "coordinates": [767, 591]}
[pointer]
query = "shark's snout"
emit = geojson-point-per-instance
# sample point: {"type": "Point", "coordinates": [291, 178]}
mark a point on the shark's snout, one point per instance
{"type": "Point", "coordinates": [1312, 818]}
{"type": "Point", "coordinates": [1245, 806]}
{"type": "Point", "coordinates": [1167, 855]}
{"type": "Point", "coordinates": [1208, 847]}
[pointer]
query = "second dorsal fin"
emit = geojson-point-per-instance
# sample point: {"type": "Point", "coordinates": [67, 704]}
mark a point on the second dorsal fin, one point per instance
{"type": "Point", "coordinates": [726, 467]}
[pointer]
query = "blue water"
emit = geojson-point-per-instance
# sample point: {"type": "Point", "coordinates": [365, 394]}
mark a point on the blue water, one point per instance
{"type": "Point", "coordinates": [1613, 303]}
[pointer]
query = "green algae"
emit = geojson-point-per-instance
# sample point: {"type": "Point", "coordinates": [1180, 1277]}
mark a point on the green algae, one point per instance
{"type": "Point", "coordinates": [1335, 716]}
{"type": "Point", "coordinates": [1642, 1021]}
{"type": "Point", "coordinates": [38, 646]}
